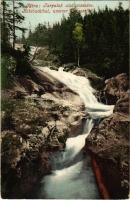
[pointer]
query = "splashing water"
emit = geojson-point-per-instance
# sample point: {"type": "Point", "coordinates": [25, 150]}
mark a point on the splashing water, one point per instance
{"type": "Point", "coordinates": [72, 177]}
{"type": "Point", "coordinates": [81, 86]}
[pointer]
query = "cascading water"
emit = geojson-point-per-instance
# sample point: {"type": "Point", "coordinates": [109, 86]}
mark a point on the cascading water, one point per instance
{"type": "Point", "coordinates": [72, 176]}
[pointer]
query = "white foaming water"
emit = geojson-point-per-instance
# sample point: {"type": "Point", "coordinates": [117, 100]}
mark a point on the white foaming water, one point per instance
{"type": "Point", "coordinates": [75, 144]}
{"type": "Point", "coordinates": [81, 86]}
{"type": "Point", "coordinates": [75, 179]}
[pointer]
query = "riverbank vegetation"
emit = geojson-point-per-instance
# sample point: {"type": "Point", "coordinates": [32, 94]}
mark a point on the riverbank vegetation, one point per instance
{"type": "Point", "coordinates": [14, 61]}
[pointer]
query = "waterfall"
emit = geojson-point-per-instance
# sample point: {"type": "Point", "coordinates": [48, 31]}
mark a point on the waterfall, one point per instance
{"type": "Point", "coordinates": [72, 176]}
{"type": "Point", "coordinates": [81, 86]}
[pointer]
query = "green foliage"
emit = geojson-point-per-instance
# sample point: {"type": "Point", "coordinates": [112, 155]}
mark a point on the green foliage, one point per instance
{"type": "Point", "coordinates": [8, 65]}
{"type": "Point", "coordinates": [11, 20]}
{"type": "Point", "coordinates": [13, 61]}
{"type": "Point", "coordinates": [59, 37]}
{"type": "Point", "coordinates": [4, 72]}
{"type": "Point", "coordinates": [78, 34]}
{"type": "Point", "coordinates": [39, 37]}
{"type": "Point", "coordinates": [104, 35]}
{"type": "Point", "coordinates": [78, 37]}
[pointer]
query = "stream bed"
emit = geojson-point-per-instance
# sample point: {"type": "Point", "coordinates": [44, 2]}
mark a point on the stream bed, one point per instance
{"type": "Point", "coordinates": [72, 175]}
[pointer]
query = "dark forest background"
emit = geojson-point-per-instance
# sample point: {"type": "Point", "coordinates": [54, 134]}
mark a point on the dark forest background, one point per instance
{"type": "Point", "coordinates": [104, 49]}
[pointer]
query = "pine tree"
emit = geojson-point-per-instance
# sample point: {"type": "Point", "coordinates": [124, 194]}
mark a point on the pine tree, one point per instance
{"type": "Point", "coordinates": [12, 20]}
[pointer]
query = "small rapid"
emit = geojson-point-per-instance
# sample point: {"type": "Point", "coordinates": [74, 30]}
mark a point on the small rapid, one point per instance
{"type": "Point", "coordinates": [72, 176]}
{"type": "Point", "coordinates": [82, 87]}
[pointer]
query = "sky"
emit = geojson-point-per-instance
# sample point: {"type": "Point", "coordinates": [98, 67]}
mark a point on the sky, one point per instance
{"type": "Point", "coordinates": [53, 11]}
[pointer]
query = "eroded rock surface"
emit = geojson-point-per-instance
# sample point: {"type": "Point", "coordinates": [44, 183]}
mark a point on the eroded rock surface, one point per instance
{"type": "Point", "coordinates": [109, 140]}
{"type": "Point", "coordinates": [38, 115]}
{"type": "Point", "coordinates": [116, 87]}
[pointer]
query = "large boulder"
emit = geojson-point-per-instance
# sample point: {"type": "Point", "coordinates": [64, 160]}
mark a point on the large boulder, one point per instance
{"type": "Point", "coordinates": [115, 87]}
{"type": "Point", "coordinates": [117, 92]}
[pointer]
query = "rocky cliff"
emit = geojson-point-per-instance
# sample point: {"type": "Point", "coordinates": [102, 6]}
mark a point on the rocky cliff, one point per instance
{"type": "Point", "coordinates": [38, 114]}
{"type": "Point", "coordinates": [109, 140]}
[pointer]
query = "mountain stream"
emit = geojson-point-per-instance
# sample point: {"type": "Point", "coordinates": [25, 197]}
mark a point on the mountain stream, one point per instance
{"type": "Point", "coordinates": [72, 176]}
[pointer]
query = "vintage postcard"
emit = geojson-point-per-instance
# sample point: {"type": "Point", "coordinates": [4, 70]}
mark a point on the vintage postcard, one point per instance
{"type": "Point", "coordinates": [64, 99]}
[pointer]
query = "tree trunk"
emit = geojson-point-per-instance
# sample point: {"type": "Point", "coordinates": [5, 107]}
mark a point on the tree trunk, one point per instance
{"type": "Point", "coordinates": [13, 24]}
{"type": "Point", "coordinates": [5, 30]}
{"type": "Point", "coordinates": [4, 18]}
{"type": "Point", "coordinates": [78, 57]}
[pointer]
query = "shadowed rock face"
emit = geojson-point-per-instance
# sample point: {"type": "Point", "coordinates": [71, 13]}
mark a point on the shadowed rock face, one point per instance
{"type": "Point", "coordinates": [117, 84]}
{"type": "Point", "coordinates": [38, 115]}
{"type": "Point", "coordinates": [116, 87]}
{"type": "Point", "coordinates": [122, 104]}
{"type": "Point", "coordinates": [109, 140]}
